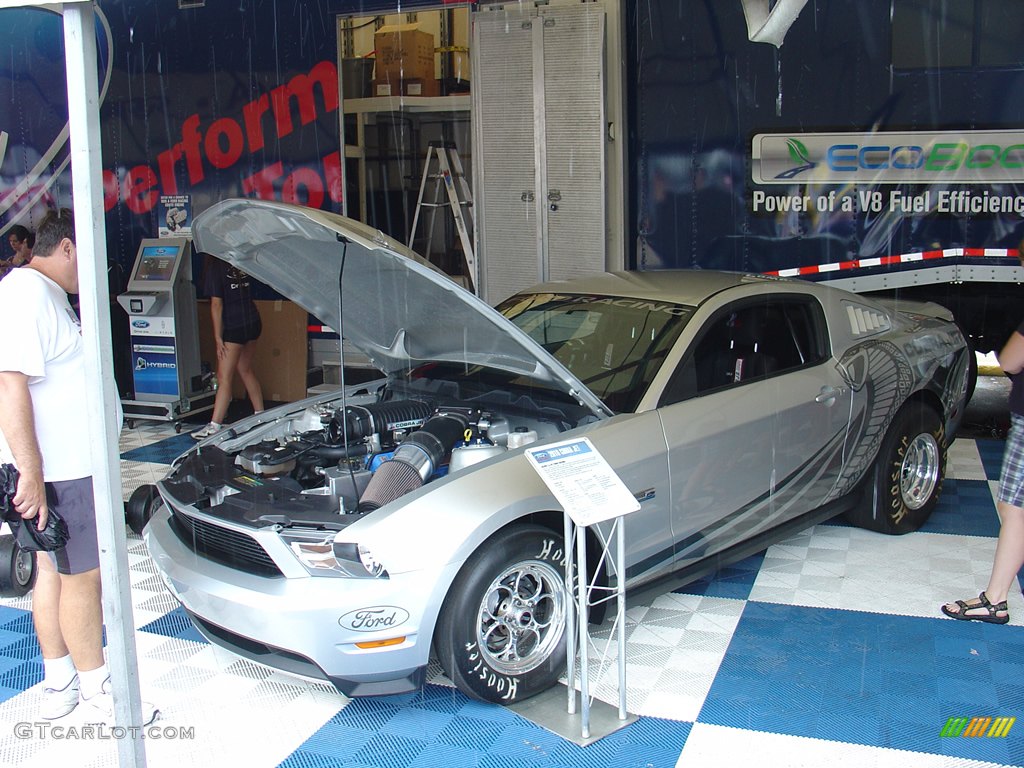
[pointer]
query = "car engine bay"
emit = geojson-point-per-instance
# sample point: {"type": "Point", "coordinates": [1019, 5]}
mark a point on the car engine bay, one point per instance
{"type": "Point", "coordinates": [334, 462]}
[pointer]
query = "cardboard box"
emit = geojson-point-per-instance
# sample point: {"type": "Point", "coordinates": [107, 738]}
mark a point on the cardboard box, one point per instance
{"type": "Point", "coordinates": [407, 87]}
{"type": "Point", "coordinates": [403, 51]}
{"type": "Point", "coordinates": [281, 353]}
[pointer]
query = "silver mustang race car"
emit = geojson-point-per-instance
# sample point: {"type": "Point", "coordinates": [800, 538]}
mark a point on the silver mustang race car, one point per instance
{"type": "Point", "coordinates": [348, 536]}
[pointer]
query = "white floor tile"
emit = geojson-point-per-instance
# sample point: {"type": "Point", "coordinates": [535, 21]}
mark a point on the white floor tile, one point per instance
{"type": "Point", "coordinates": [712, 746]}
{"type": "Point", "coordinates": [964, 462]}
{"type": "Point", "coordinates": [929, 569]}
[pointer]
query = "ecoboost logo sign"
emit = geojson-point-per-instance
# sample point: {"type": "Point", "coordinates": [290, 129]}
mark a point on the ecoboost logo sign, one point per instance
{"type": "Point", "coordinates": [889, 158]}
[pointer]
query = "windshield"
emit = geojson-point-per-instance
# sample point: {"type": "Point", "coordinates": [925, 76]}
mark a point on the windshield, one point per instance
{"type": "Point", "coordinates": [614, 345]}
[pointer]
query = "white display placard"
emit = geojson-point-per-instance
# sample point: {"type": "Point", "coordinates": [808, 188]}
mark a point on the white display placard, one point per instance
{"type": "Point", "coordinates": [583, 482]}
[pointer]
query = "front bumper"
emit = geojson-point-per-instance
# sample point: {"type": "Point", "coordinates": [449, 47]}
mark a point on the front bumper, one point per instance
{"type": "Point", "coordinates": [294, 623]}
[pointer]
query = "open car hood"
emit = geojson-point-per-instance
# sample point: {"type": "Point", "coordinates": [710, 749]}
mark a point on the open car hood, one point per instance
{"type": "Point", "coordinates": [392, 304]}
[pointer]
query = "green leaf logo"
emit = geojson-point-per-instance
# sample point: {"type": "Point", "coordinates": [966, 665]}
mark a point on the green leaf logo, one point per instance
{"type": "Point", "coordinates": [798, 152]}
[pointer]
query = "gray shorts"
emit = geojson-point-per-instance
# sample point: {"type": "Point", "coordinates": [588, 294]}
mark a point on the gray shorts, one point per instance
{"type": "Point", "coordinates": [1011, 483]}
{"type": "Point", "coordinates": [74, 502]}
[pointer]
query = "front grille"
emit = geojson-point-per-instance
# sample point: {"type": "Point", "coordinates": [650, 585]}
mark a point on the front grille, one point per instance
{"type": "Point", "coordinates": [223, 545]}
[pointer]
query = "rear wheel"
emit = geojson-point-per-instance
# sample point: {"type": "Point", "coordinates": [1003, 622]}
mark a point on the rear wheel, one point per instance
{"type": "Point", "coordinates": [501, 633]}
{"type": "Point", "coordinates": [906, 479]}
{"type": "Point", "coordinates": [17, 568]}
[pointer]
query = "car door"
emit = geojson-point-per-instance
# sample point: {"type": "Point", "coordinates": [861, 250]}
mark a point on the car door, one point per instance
{"type": "Point", "coordinates": [756, 418]}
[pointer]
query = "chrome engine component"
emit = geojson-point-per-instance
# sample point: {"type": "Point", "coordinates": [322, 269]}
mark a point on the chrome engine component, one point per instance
{"type": "Point", "coordinates": [472, 453]}
{"type": "Point", "coordinates": [347, 483]}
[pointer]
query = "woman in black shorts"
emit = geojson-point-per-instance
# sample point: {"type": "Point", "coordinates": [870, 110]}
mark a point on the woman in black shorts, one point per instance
{"type": "Point", "coordinates": [236, 327]}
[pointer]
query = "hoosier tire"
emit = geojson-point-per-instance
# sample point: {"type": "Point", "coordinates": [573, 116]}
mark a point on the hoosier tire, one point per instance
{"type": "Point", "coordinates": [906, 479]}
{"type": "Point", "coordinates": [501, 634]}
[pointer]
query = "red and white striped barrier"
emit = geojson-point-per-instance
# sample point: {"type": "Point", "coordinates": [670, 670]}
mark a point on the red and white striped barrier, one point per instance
{"type": "Point", "coordinates": [903, 258]}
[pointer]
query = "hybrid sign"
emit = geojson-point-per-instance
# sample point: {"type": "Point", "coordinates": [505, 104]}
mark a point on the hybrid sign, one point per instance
{"type": "Point", "coordinates": [944, 157]}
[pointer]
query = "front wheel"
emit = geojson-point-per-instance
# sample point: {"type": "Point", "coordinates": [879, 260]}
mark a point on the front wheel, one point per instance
{"type": "Point", "coordinates": [906, 480]}
{"type": "Point", "coordinates": [501, 634]}
{"type": "Point", "coordinates": [140, 507]}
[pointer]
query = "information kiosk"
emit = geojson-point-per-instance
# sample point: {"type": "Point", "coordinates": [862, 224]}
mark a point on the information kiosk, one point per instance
{"type": "Point", "coordinates": [161, 306]}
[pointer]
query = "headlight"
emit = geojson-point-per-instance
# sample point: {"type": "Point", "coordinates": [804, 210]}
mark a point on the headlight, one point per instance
{"type": "Point", "coordinates": [321, 556]}
{"type": "Point", "coordinates": [366, 558]}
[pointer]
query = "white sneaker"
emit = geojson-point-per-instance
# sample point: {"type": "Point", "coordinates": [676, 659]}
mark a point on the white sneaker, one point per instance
{"type": "Point", "coordinates": [57, 702]}
{"type": "Point", "coordinates": [207, 431]}
{"type": "Point", "coordinates": [99, 708]}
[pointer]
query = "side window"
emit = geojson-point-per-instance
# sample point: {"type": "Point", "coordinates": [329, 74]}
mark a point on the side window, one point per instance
{"type": "Point", "coordinates": [801, 335]}
{"type": "Point", "coordinates": [751, 341]}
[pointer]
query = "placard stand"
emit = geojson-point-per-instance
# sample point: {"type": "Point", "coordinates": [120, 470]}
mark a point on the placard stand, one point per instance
{"type": "Point", "coordinates": [590, 493]}
{"type": "Point", "coordinates": [583, 591]}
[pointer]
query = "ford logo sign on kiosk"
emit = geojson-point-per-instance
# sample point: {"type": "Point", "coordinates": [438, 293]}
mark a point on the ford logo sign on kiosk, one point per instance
{"type": "Point", "coordinates": [590, 492]}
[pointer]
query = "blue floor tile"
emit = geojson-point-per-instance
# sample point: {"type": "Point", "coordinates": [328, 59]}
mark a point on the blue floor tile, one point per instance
{"type": "Point", "coordinates": [162, 452]}
{"type": "Point", "coordinates": [175, 624]}
{"type": "Point", "coordinates": [24, 648]}
{"type": "Point", "coordinates": [991, 452]}
{"type": "Point", "coordinates": [965, 508]}
{"type": "Point", "coordinates": [412, 731]}
{"type": "Point", "coordinates": [734, 581]}
{"type": "Point", "coordinates": [18, 642]}
{"type": "Point", "coordinates": [16, 620]}
{"type": "Point", "coordinates": [783, 674]}
{"type": "Point", "coordinates": [22, 676]}
{"type": "Point", "coordinates": [470, 733]}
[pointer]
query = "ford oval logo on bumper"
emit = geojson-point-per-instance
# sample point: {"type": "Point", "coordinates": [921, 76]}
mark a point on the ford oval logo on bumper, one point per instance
{"type": "Point", "coordinates": [374, 618]}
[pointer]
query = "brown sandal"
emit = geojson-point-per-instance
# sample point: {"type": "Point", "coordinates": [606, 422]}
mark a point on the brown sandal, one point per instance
{"type": "Point", "coordinates": [992, 616]}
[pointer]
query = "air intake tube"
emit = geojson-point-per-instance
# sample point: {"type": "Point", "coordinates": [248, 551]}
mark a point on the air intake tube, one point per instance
{"type": "Point", "coordinates": [414, 461]}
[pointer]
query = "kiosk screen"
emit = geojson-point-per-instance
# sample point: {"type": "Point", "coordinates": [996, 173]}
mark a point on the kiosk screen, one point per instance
{"type": "Point", "coordinates": [156, 263]}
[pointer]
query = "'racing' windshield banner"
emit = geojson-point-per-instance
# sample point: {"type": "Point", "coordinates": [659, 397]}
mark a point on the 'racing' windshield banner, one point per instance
{"type": "Point", "coordinates": [940, 157]}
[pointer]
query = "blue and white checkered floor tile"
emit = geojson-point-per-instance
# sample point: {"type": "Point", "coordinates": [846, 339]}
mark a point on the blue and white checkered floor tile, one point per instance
{"type": "Point", "coordinates": [826, 648]}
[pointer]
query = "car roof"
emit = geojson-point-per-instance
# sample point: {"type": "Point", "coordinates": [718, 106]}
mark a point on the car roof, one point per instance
{"type": "Point", "coordinates": [689, 287]}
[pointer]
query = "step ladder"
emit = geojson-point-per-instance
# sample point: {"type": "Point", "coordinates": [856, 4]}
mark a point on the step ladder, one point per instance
{"type": "Point", "coordinates": [443, 166]}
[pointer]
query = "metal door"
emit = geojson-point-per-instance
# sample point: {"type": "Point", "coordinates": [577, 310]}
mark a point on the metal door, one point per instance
{"type": "Point", "coordinates": [538, 121]}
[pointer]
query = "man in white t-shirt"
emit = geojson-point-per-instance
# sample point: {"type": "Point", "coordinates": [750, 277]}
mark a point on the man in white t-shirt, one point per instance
{"type": "Point", "coordinates": [44, 427]}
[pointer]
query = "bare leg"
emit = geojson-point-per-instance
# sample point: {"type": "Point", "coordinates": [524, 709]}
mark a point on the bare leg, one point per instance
{"type": "Point", "coordinates": [1009, 552]}
{"type": "Point", "coordinates": [81, 618]}
{"type": "Point", "coordinates": [252, 384]}
{"type": "Point", "coordinates": [226, 367]}
{"type": "Point", "coordinates": [46, 608]}
{"type": "Point", "coordinates": [1008, 561]}
{"type": "Point", "coordinates": [67, 612]}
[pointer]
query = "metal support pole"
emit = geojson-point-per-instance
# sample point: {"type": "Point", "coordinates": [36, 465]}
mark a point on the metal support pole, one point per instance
{"type": "Point", "coordinates": [583, 599]}
{"type": "Point", "coordinates": [620, 570]}
{"type": "Point", "coordinates": [101, 392]}
{"type": "Point", "coordinates": [570, 615]}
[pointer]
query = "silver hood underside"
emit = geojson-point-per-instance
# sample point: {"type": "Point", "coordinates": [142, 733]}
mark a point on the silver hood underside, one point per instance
{"type": "Point", "coordinates": [389, 302]}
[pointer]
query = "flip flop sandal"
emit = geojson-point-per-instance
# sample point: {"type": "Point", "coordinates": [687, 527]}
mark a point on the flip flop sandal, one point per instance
{"type": "Point", "coordinates": [991, 617]}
